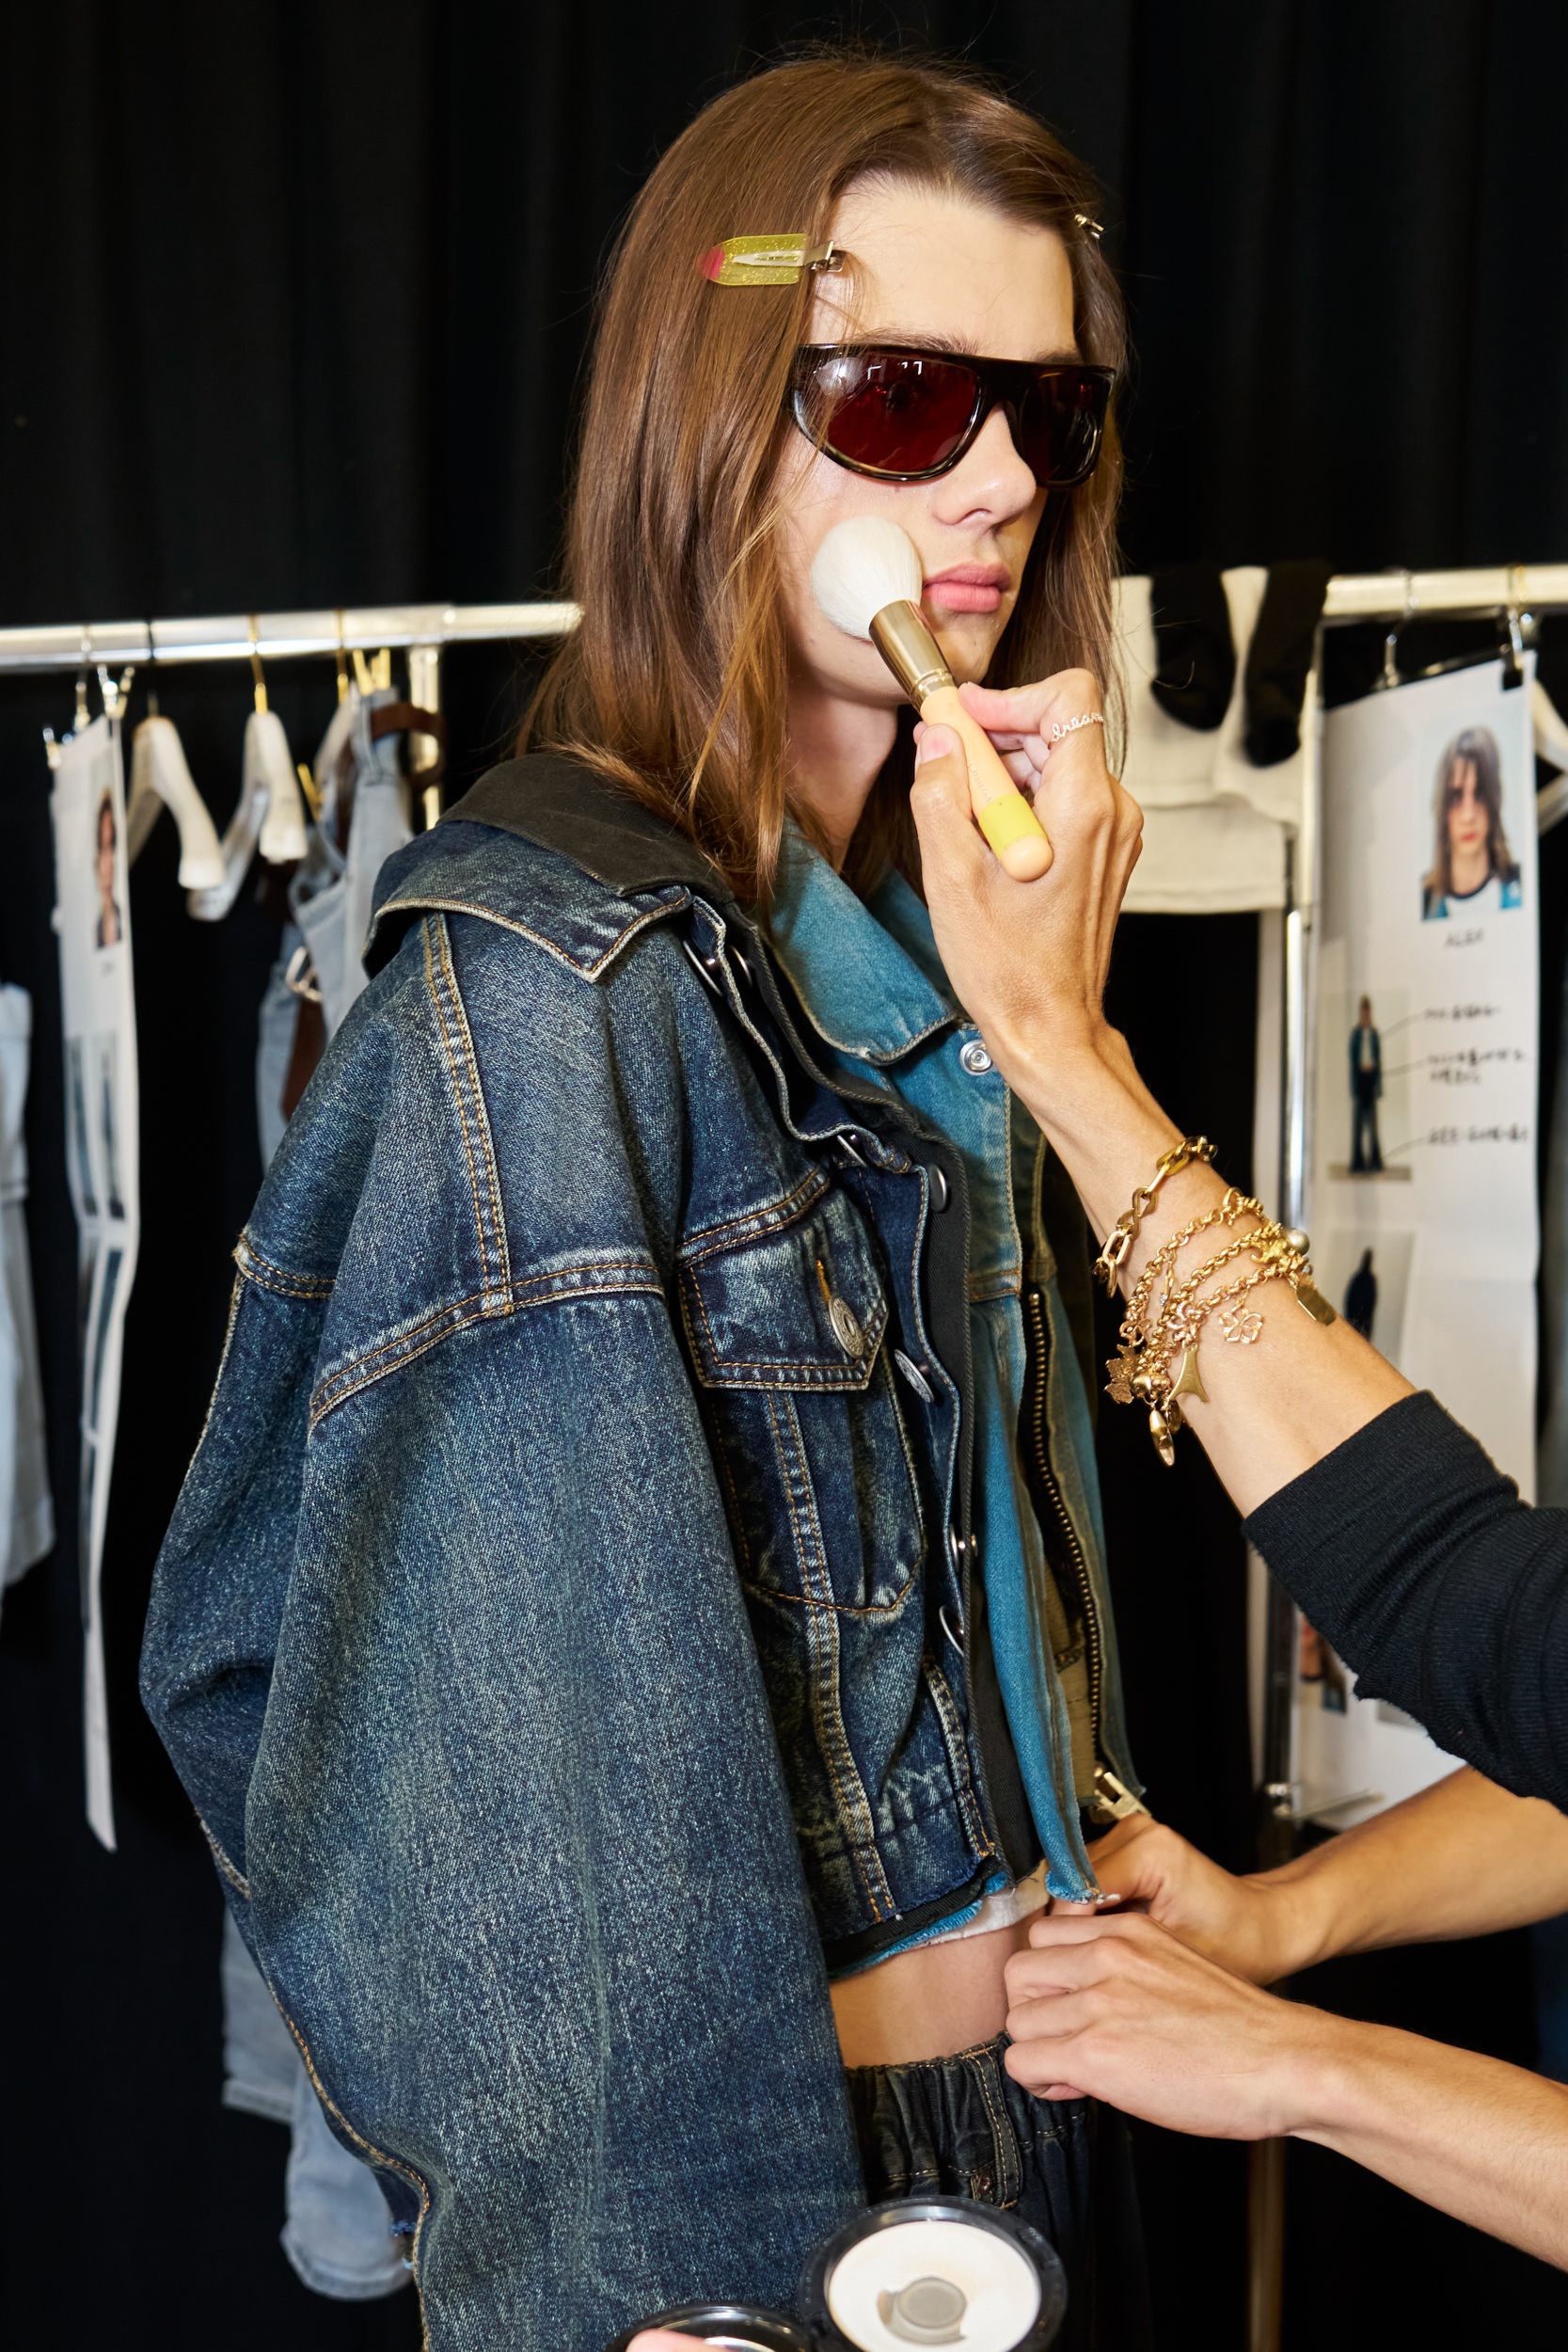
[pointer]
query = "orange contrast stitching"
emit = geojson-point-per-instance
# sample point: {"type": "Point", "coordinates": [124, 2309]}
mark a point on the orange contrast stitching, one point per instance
{"type": "Point", "coordinates": [815, 1549]}
{"type": "Point", "coordinates": [505, 922]}
{"type": "Point", "coordinates": [395, 1353]}
{"type": "Point", "coordinates": [452, 1064]}
{"type": "Point", "coordinates": [770, 1218]}
{"type": "Point", "coordinates": [480, 1117]}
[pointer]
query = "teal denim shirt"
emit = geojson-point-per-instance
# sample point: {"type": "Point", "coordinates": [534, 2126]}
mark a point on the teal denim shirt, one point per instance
{"type": "Point", "coordinates": [873, 983]}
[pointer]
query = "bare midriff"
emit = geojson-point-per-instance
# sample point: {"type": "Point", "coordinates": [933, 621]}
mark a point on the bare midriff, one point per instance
{"type": "Point", "coordinates": [927, 2003]}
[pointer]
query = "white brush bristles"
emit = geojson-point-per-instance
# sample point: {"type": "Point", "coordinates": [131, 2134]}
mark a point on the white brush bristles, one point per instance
{"type": "Point", "coordinates": [862, 566]}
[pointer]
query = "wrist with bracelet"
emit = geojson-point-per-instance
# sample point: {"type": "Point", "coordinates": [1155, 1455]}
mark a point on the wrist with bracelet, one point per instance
{"type": "Point", "coordinates": [1157, 1364]}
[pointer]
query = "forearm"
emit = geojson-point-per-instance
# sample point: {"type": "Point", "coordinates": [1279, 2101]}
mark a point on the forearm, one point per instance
{"type": "Point", "coordinates": [1116, 2007]}
{"type": "Point", "coordinates": [1463, 1858]}
{"type": "Point", "coordinates": [1480, 2140]}
{"type": "Point", "coordinates": [1273, 1408]}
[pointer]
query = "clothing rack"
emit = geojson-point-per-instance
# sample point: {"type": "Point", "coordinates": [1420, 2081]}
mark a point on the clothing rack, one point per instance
{"type": "Point", "coordinates": [285, 636]}
{"type": "Point", "coordinates": [277, 636]}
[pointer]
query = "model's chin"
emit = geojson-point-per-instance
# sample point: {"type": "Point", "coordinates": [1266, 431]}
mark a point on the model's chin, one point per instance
{"type": "Point", "coordinates": [968, 641]}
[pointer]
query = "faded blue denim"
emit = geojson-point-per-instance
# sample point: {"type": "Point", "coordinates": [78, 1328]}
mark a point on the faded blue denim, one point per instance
{"type": "Point", "coordinates": [546, 1630]}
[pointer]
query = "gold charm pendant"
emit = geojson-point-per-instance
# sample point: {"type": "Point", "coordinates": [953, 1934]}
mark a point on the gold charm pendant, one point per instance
{"type": "Point", "coordinates": [1317, 1306]}
{"type": "Point", "coordinates": [1159, 1430]}
{"type": "Point", "coordinates": [1188, 1382]}
{"type": "Point", "coordinates": [1122, 1369]}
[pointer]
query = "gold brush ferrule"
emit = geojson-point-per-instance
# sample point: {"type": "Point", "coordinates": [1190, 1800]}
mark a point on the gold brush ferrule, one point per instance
{"type": "Point", "coordinates": [902, 637]}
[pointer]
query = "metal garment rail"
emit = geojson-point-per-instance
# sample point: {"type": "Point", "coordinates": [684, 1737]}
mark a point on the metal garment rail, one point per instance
{"type": "Point", "coordinates": [277, 636]}
{"type": "Point", "coordinates": [286, 636]}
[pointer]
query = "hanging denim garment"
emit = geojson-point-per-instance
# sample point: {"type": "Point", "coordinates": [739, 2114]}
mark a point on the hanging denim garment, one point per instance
{"type": "Point", "coordinates": [332, 894]}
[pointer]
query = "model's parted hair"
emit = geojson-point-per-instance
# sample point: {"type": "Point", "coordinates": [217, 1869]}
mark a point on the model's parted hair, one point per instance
{"type": "Point", "coordinates": [674, 682]}
{"type": "Point", "coordinates": [1477, 747]}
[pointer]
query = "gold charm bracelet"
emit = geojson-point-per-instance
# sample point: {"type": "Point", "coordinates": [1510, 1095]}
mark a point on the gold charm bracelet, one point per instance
{"type": "Point", "coordinates": [1142, 1371]}
{"type": "Point", "coordinates": [1124, 1232]}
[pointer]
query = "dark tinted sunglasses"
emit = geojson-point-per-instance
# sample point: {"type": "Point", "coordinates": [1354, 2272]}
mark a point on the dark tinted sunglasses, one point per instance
{"type": "Point", "coordinates": [905, 414]}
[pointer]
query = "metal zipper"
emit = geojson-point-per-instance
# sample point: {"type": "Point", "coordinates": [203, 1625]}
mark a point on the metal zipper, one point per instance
{"type": "Point", "coordinates": [1075, 1550]}
{"type": "Point", "coordinates": [1113, 1795]}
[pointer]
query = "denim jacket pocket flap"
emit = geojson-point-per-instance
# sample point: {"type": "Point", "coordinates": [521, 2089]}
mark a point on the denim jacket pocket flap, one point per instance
{"type": "Point", "coordinates": [799, 1305]}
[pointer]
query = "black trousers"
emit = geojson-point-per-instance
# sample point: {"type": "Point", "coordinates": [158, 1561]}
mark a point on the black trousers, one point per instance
{"type": "Point", "coordinates": [1365, 1157]}
{"type": "Point", "coordinates": [961, 2127]}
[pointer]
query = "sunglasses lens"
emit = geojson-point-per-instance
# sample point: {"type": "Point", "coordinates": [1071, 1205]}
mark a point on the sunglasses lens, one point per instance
{"type": "Point", "coordinates": [910, 413]}
{"type": "Point", "coordinates": [1059, 427]}
{"type": "Point", "coordinates": [897, 412]}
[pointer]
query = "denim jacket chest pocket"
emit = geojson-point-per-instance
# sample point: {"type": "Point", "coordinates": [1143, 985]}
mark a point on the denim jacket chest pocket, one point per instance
{"type": "Point", "coordinates": [787, 1317]}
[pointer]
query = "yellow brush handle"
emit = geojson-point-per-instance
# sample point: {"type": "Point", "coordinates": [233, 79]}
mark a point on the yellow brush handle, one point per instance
{"type": "Point", "coordinates": [1001, 811]}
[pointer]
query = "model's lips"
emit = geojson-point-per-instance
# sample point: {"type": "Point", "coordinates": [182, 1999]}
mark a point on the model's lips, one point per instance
{"type": "Point", "coordinates": [969, 588]}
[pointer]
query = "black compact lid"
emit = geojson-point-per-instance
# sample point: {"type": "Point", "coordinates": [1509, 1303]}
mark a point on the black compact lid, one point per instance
{"type": "Point", "coordinates": [919, 2325]}
{"type": "Point", "coordinates": [745, 2326]}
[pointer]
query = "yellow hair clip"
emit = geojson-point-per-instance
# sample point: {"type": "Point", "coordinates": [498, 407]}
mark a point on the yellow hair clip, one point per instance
{"type": "Point", "coordinates": [776, 261]}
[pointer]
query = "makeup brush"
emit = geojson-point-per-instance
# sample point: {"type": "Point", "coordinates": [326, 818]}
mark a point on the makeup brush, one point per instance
{"type": "Point", "coordinates": [867, 578]}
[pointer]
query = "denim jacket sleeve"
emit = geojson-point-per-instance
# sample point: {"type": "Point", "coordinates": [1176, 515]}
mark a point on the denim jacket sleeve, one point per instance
{"type": "Point", "coordinates": [447, 1648]}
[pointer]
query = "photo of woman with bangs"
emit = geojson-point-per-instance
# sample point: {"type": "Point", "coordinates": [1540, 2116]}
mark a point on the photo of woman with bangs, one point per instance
{"type": "Point", "coordinates": [636, 1628]}
{"type": "Point", "coordinates": [1473, 870]}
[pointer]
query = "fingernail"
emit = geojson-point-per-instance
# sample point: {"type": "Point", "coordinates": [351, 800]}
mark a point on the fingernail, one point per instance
{"type": "Point", "coordinates": [935, 743]}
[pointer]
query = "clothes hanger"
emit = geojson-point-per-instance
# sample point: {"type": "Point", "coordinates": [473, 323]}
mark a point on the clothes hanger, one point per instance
{"type": "Point", "coordinates": [159, 779]}
{"type": "Point", "coordinates": [1391, 643]}
{"type": "Point", "coordinates": [282, 841]}
{"type": "Point", "coordinates": [268, 816]}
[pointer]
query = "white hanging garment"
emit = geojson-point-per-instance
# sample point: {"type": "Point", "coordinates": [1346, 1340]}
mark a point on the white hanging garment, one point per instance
{"type": "Point", "coordinates": [27, 1509]}
{"type": "Point", "coordinates": [98, 1022]}
{"type": "Point", "coordinates": [161, 779]}
{"type": "Point", "coordinates": [1214, 826]}
{"type": "Point", "coordinates": [268, 816]}
{"type": "Point", "coordinates": [1551, 744]}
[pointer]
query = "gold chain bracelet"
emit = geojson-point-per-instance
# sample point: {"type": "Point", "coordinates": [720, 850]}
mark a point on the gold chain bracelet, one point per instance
{"type": "Point", "coordinates": [1124, 1232]}
{"type": "Point", "coordinates": [1234, 1205]}
{"type": "Point", "coordinates": [1144, 1370]}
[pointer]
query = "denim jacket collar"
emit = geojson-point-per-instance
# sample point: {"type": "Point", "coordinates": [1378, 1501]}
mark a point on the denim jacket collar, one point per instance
{"type": "Point", "coordinates": [562, 804]}
{"type": "Point", "coordinates": [868, 995]}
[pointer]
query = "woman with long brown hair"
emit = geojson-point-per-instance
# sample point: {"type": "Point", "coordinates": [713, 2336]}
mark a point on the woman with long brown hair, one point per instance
{"type": "Point", "coordinates": [636, 1628]}
{"type": "Point", "coordinates": [1473, 869]}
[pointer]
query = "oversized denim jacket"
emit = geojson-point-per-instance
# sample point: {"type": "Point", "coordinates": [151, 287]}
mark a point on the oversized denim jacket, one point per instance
{"type": "Point", "coordinates": [546, 1630]}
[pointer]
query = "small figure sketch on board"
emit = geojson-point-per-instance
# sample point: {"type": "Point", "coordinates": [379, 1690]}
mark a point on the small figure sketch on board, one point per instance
{"type": "Point", "coordinates": [1473, 869]}
{"type": "Point", "coordinates": [1361, 1297]}
{"type": "Point", "coordinates": [1366, 1088]}
{"type": "Point", "coordinates": [108, 931]}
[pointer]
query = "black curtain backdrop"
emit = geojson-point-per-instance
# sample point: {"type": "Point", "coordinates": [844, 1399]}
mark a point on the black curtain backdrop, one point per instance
{"type": "Point", "coordinates": [293, 304]}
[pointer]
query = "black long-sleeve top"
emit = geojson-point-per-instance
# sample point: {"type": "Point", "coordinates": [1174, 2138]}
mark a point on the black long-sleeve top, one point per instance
{"type": "Point", "coordinates": [1445, 1593]}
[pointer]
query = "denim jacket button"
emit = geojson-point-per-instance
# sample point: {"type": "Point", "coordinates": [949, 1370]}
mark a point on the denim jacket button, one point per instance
{"type": "Point", "coordinates": [974, 1058]}
{"type": "Point", "coordinates": [847, 1331]}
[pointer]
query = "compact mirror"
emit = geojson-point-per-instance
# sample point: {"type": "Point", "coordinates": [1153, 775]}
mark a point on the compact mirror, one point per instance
{"type": "Point", "coordinates": [935, 2271]}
